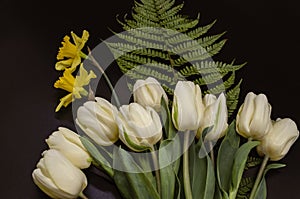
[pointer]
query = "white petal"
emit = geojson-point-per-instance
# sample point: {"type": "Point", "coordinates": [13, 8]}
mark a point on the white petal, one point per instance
{"type": "Point", "coordinates": [63, 173]}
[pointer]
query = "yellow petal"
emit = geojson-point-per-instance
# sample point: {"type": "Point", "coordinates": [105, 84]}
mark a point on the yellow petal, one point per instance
{"type": "Point", "coordinates": [62, 65]}
{"type": "Point", "coordinates": [68, 49]}
{"type": "Point", "coordinates": [80, 42]}
{"type": "Point", "coordinates": [65, 101]}
{"type": "Point", "coordinates": [84, 77]}
{"type": "Point", "coordinates": [66, 82]}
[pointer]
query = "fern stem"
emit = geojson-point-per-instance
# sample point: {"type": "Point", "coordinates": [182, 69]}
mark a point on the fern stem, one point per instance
{"type": "Point", "coordinates": [186, 172]}
{"type": "Point", "coordinates": [259, 176]}
{"type": "Point", "coordinates": [114, 94]}
{"type": "Point", "coordinates": [172, 66]}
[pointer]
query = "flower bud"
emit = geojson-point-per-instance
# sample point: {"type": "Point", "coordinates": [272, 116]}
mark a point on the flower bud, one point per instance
{"type": "Point", "coordinates": [68, 143]}
{"type": "Point", "coordinates": [148, 92]}
{"type": "Point", "coordinates": [58, 177]}
{"type": "Point", "coordinates": [140, 128]}
{"type": "Point", "coordinates": [187, 107]}
{"type": "Point", "coordinates": [97, 120]}
{"type": "Point", "coordinates": [253, 119]}
{"type": "Point", "coordinates": [279, 140]}
{"type": "Point", "coordinates": [215, 115]}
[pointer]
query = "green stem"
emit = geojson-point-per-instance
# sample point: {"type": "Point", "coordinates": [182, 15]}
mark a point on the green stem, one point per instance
{"type": "Point", "coordinates": [186, 173]}
{"type": "Point", "coordinates": [259, 176]}
{"type": "Point", "coordinates": [156, 167]}
{"type": "Point", "coordinates": [83, 55]}
{"type": "Point", "coordinates": [114, 94]}
{"type": "Point", "coordinates": [81, 195]}
{"type": "Point", "coordinates": [212, 155]}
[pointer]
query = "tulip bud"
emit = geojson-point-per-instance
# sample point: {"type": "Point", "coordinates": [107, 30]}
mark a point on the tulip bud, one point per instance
{"type": "Point", "coordinates": [68, 143]}
{"type": "Point", "coordinates": [215, 115]}
{"type": "Point", "coordinates": [97, 120]}
{"type": "Point", "coordinates": [58, 177]}
{"type": "Point", "coordinates": [253, 119]}
{"type": "Point", "coordinates": [140, 128]}
{"type": "Point", "coordinates": [187, 107]}
{"type": "Point", "coordinates": [279, 139]}
{"type": "Point", "coordinates": [148, 92]}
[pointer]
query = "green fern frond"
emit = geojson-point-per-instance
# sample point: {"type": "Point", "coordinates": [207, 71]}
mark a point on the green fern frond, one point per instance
{"type": "Point", "coordinates": [224, 86]}
{"type": "Point", "coordinates": [232, 97]}
{"type": "Point", "coordinates": [191, 34]}
{"type": "Point", "coordinates": [253, 162]}
{"type": "Point", "coordinates": [200, 54]}
{"type": "Point", "coordinates": [209, 67]}
{"type": "Point", "coordinates": [245, 188]}
{"type": "Point", "coordinates": [162, 43]}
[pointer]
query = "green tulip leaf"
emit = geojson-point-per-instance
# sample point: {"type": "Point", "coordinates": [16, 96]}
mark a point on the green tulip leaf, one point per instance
{"type": "Point", "coordinates": [206, 131]}
{"type": "Point", "coordinates": [145, 162]}
{"type": "Point", "coordinates": [177, 193]}
{"type": "Point", "coordinates": [202, 173]}
{"type": "Point", "coordinates": [167, 173]}
{"type": "Point", "coordinates": [273, 166]}
{"type": "Point", "coordinates": [261, 192]}
{"type": "Point", "coordinates": [97, 156]}
{"type": "Point", "coordinates": [225, 159]}
{"type": "Point", "coordinates": [135, 146]}
{"type": "Point", "coordinates": [239, 163]}
{"type": "Point", "coordinates": [124, 185]}
{"type": "Point", "coordinates": [218, 193]}
{"type": "Point", "coordinates": [167, 119]}
{"type": "Point", "coordinates": [138, 185]}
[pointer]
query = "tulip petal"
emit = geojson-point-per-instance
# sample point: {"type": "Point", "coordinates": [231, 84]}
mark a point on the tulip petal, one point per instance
{"type": "Point", "coordinates": [260, 122]}
{"type": "Point", "coordinates": [63, 173]}
{"type": "Point", "coordinates": [48, 187]}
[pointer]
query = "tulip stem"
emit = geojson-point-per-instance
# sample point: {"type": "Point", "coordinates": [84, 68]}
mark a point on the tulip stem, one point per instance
{"type": "Point", "coordinates": [81, 195]}
{"type": "Point", "coordinates": [186, 173]}
{"type": "Point", "coordinates": [114, 94]}
{"type": "Point", "coordinates": [212, 155]}
{"type": "Point", "coordinates": [156, 168]}
{"type": "Point", "coordinates": [259, 176]}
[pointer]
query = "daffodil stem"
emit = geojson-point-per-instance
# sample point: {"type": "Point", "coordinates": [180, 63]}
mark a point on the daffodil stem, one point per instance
{"type": "Point", "coordinates": [81, 195]}
{"type": "Point", "coordinates": [156, 167]}
{"type": "Point", "coordinates": [186, 172]}
{"type": "Point", "coordinates": [259, 177]}
{"type": "Point", "coordinates": [114, 94]}
{"type": "Point", "coordinates": [83, 55]}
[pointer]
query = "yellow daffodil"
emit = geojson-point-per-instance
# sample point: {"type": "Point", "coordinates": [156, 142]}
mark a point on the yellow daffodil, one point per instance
{"type": "Point", "coordinates": [70, 54]}
{"type": "Point", "coordinates": [73, 85]}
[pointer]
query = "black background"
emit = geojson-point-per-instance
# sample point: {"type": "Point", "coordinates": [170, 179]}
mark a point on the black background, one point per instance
{"type": "Point", "coordinates": [263, 33]}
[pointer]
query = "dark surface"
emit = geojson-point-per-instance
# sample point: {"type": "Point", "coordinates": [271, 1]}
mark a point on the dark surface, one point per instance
{"type": "Point", "coordinates": [263, 33]}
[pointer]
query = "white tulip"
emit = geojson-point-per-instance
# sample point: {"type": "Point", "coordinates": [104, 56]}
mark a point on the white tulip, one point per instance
{"type": "Point", "coordinates": [279, 139]}
{"type": "Point", "coordinates": [97, 120]}
{"type": "Point", "coordinates": [139, 127]}
{"type": "Point", "coordinates": [187, 107]}
{"type": "Point", "coordinates": [253, 119]}
{"type": "Point", "coordinates": [69, 144]}
{"type": "Point", "coordinates": [148, 92]}
{"type": "Point", "coordinates": [215, 115]}
{"type": "Point", "coordinates": [58, 177]}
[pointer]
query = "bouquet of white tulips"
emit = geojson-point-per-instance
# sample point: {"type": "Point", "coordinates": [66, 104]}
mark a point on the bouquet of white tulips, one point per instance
{"type": "Point", "coordinates": [147, 163]}
{"type": "Point", "coordinates": [159, 145]}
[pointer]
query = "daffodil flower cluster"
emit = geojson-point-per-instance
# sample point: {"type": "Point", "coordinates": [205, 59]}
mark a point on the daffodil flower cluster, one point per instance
{"type": "Point", "coordinates": [69, 58]}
